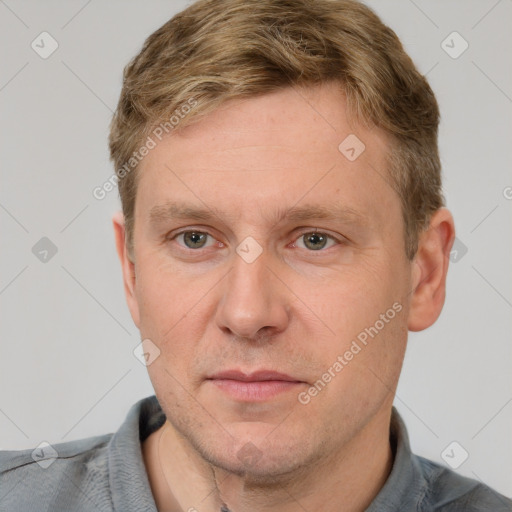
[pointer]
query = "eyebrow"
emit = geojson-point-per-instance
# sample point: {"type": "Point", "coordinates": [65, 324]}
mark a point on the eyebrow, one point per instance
{"type": "Point", "coordinates": [175, 210]}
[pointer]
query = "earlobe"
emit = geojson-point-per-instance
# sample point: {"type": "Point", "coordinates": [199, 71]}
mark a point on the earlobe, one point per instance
{"type": "Point", "coordinates": [127, 266]}
{"type": "Point", "coordinates": [429, 270]}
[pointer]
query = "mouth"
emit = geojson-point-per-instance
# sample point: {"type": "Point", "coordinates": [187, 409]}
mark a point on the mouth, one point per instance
{"type": "Point", "coordinates": [258, 386]}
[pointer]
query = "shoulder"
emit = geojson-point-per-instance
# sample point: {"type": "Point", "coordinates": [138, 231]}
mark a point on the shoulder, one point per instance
{"type": "Point", "coordinates": [68, 452]}
{"type": "Point", "coordinates": [447, 491]}
{"type": "Point", "coordinates": [72, 474]}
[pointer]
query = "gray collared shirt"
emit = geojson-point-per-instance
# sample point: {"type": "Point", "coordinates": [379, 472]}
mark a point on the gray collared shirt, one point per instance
{"type": "Point", "coordinates": [107, 473]}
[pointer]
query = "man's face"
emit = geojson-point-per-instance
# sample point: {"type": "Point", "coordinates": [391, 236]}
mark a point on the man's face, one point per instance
{"type": "Point", "coordinates": [297, 251]}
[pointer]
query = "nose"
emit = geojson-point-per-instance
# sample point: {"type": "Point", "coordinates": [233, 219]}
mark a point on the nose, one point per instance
{"type": "Point", "coordinates": [253, 303]}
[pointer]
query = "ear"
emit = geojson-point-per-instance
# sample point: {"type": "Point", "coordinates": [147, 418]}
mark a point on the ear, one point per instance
{"type": "Point", "coordinates": [128, 267]}
{"type": "Point", "coordinates": [429, 269]}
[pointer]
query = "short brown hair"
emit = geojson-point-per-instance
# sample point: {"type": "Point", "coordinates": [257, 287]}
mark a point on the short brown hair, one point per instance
{"type": "Point", "coordinates": [217, 50]}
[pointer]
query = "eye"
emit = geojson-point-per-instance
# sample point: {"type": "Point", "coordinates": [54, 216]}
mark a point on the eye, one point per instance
{"type": "Point", "coordinates": [315, 241]}
{"type": "Point", "coordinates": [194, 239]}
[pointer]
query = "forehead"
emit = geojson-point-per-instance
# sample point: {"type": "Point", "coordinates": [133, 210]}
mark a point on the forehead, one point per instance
{"type": "Point", "coordinates": [294, 146]}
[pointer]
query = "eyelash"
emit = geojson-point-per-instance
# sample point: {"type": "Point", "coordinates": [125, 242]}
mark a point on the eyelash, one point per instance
{"type": "Point", "coordinates": [308, 232]}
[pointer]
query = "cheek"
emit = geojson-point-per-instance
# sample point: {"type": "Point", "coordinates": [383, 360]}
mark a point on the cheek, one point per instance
{"type": "Point", "coordinates": [365, 311]}
{"type": "Point", "coordinates": [170, 316]}
{"type": "Point", "coordinates": [164, 296]}
{"type": "Point", "coordinates": [350, 298]}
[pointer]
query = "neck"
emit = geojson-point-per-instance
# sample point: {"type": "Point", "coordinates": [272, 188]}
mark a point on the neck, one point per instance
{"type": "Point", "coordinates": [182, 480]}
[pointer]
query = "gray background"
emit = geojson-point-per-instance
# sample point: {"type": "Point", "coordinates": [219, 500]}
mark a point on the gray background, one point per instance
{"type": "Point", "coordinates": [67, 367]}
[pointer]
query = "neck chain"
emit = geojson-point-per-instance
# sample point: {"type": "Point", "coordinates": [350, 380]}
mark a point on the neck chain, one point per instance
{"type": "Point", "coordinates": [223, 507]}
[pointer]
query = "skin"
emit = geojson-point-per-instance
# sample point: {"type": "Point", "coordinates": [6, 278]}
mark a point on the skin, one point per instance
{"type": "Point", "coordinates": [293, 309]}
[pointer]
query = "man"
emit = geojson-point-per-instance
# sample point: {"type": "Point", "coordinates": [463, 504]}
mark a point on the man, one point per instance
{"type": "Point", "coordinates": [283, 229]}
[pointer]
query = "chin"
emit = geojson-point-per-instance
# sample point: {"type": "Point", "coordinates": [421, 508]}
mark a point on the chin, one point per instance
{"type": "Point", "coordinates": [263, 452]}
{"type": "Point", "coordinates": [257, 460]}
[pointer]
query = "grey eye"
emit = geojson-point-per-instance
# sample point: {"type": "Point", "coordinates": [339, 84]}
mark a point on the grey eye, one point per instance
{"type": "Point", "coordinates": [194, 239]}
{"type": "Point", "coordinates": [314, 241]}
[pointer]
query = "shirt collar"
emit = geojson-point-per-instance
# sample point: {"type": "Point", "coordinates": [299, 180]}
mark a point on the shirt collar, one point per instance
{"type": "Point", "coordinates": [129, 481]}
{"type": "Point", "coordinates": [405, 486]}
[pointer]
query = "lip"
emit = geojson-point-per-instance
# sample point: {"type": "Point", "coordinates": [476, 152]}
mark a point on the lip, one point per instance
{"type": "Point", "coordinates": [257, 386]}
{"type": "Point", "coordinates": [257, 376]}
